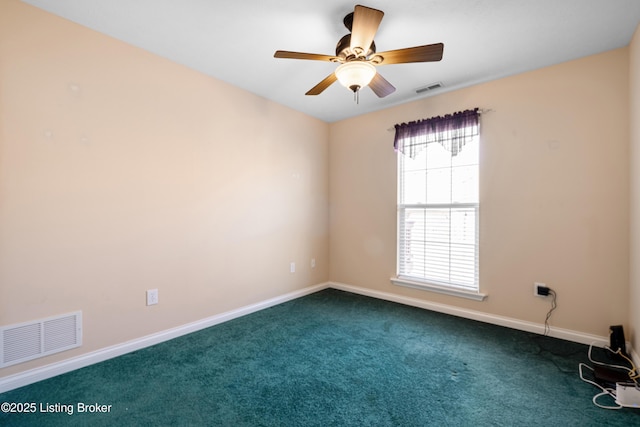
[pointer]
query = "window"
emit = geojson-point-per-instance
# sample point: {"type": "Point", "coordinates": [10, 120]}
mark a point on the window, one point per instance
{"type": "Point", "coordinates": [438, 204]}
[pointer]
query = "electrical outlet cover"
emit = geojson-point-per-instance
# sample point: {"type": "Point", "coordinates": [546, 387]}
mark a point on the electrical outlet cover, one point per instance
{"type": "Point", "coordinates": [152, 297]}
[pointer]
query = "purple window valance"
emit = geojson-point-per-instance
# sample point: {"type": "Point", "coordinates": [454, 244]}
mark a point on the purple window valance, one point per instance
{"type": "Point", "coordinates": [452, 131]}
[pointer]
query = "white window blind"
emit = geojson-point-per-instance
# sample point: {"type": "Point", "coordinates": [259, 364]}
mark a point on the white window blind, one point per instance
{"type": "Point", "coordinates": [438, 208]}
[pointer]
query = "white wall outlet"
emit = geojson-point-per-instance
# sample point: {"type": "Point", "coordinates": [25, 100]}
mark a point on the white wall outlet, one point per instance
{"type": "Point", "coordinates": [152, 297]}
{"type": "Point", "coordinates": [292, 267]}
{"type": "Point", "coordinates": [313, 263]}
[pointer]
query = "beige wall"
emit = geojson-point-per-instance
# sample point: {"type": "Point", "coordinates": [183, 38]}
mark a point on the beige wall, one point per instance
{"type": "Point", "coordinates": [634, 72]}
{"type": "Point", "coordinates": [554, 193]}
{"type": "Point", "coordinates": [121, 172]}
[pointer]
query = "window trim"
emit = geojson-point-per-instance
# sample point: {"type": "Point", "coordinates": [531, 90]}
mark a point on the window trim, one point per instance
{"type": "Point", "coordinates": [432, 286]}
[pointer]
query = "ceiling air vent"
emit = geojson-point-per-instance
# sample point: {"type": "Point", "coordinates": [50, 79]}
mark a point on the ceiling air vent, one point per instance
{"type": "Point", "coordinates": [430, 87]}
{"type": "Point", "coordinates": [38, 338]}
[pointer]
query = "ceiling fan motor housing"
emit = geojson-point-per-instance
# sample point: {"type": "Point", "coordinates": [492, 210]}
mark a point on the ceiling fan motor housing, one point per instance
{"type": "Point", "coordinates": [343, 49]}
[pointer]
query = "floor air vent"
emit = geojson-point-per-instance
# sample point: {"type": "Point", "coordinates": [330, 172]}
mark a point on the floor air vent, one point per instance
{"type": "Point", "coordinates": [31, 340]}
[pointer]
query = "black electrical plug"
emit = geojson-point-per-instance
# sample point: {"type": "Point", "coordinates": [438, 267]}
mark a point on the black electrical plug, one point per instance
{"type": "Point", "coordinates": [542, 291]}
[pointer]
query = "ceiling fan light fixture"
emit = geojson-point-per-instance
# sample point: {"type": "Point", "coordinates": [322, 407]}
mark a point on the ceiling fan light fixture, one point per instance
{"type": "Point", "coordinates": [355, 75]}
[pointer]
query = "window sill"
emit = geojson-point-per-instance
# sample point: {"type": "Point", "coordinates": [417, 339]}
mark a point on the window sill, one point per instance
{"type": "Point", "coordinates": [424, 286]}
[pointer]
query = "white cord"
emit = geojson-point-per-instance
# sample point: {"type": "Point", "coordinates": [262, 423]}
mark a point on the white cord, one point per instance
{"type": "Point", "coordinates": [605, 391]}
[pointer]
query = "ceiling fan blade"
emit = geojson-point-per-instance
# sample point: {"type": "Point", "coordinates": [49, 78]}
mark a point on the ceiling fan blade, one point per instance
{"type": "Point", "coordinates": [380, 86]}
{"type": "Point", "coordinates": [426, 53]}
{"type": "Point", "coordinates": [365, 25]}
{"type": "Point", "coordinates": [300, 55]}
{"type": "Point", "coordinates": [320, 87]}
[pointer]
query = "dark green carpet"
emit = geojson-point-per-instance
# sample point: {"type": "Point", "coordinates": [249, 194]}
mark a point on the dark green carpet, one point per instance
{"type": "Point", "coordinates": [334, 359]}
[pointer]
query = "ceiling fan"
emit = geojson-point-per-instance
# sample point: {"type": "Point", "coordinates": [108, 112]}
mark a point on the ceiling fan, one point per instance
{"type": "Point", "coordinates": [356, 53]}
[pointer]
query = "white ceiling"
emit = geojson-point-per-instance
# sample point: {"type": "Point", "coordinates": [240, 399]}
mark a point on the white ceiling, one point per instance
{"type": "Point", "coordinates": [234, 40]}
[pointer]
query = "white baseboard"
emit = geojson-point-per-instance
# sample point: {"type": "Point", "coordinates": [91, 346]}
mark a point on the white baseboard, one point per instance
{"type": "Point", "coordinates": [38, 374]}
{"type": "Point", "coordinates": [565, 334]}
{"type": "Point", "coordinates": [48, 371]}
